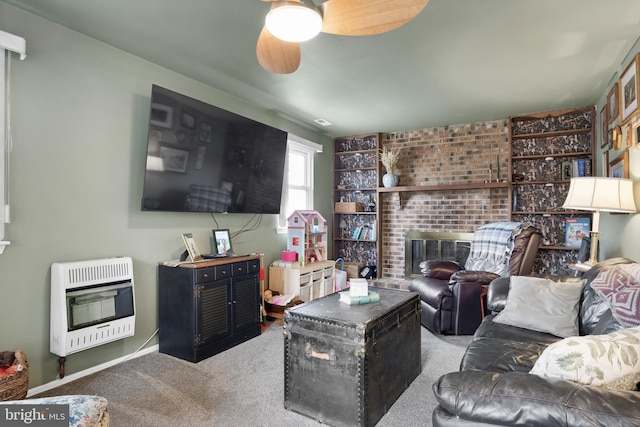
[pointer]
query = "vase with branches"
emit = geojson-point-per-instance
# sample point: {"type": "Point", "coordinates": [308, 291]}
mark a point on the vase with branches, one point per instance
{"type": "Point", "coordinates": [389, 158]}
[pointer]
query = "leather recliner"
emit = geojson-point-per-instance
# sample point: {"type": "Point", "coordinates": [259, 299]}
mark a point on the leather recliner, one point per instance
{"type": "Point", "coordinates": [451, 295]}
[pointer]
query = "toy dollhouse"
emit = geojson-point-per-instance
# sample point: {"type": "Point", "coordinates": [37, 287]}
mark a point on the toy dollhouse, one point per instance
{"type": "Point", "coordinates": [307, 235]}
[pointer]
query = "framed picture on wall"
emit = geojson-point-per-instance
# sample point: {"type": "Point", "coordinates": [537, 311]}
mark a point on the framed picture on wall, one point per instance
{"type": "Point", "coordinates": [629, 90]}
{"type": "Point", "coordinates": [161, 115]}
{"type": "Point", "coordinates": [603, 126]}
{"type": "Point", "coordinates": [187, 121]}
{"type": "Point", "coordinates": [635, 132]}
{"type": "Point", "coordinates": [619, 167]}
{"type": "Point", "coordinates": [605, 163]}
{"type": "Point", "coordinates": [205, 132]}
{"type": "Point", "coordinates": [612, 104]}
{"type": "Point", "coordinates": [174, 160]}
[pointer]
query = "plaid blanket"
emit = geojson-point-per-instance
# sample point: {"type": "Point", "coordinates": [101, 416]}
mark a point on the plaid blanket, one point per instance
{"type": "Point", "coordinates": [492, 245]}
{"type": "Point", "coordinates": [208, 199]}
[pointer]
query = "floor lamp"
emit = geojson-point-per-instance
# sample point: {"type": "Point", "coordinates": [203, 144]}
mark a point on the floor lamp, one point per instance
{"type": "Point", "coordinates": [600, 194]}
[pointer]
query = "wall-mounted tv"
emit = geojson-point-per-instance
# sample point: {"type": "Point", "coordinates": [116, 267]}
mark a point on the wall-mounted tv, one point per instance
{"type": "Point", "coordinates": [201, 158]}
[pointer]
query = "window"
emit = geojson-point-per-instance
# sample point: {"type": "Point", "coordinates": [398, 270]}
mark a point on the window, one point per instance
{"type": "Point", "coordinates": [8, 43]}
{"type": "Point", "coordinates": [297, 187]}
{"type": "Point", "coordinates": [4, 146]}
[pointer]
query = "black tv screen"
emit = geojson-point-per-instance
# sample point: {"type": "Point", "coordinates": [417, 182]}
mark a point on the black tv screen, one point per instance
{"type": "Point", "coordinates": [201, 158]}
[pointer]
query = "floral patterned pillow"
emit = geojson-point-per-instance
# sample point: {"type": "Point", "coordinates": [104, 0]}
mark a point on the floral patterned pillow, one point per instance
{"type": "Point", "coordinates": [611, 361]}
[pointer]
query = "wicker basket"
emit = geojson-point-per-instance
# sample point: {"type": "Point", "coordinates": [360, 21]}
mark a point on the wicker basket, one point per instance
{"type": "Point", "coordinates": [15, 387]}
{"type": "Point", "coordinates": [352, 269]}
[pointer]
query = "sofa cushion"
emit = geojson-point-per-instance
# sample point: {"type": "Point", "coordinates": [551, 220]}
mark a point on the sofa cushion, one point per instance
{"type": "Point", "coordinates": [520, 399]}
{"type": "Point", "coordinates": [498, 355]}
{"type": "Point", "coordinates": [611, 361]}
{"type": "Point", "coordinates": [490, 329]}
{"type": "Point", "coordinates": [592, 307]}
{"type": "Point", "coordinates": [619, 286]}
{"type": "Point", "coordinates": [542, 305]}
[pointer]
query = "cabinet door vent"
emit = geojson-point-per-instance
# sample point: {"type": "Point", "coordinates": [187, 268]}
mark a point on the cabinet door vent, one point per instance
{"type": "Point", "coordinates": [247, 312]}
{"type": "Point", "coordinates": [213, 322]}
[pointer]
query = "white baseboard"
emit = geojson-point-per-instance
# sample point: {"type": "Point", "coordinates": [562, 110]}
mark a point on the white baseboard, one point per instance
{"type": "Point", "coordinates": [92, 370]}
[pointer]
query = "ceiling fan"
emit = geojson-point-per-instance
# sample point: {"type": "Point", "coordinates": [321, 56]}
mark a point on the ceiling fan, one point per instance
{"type": "Point", "coordinates": [340, 17]}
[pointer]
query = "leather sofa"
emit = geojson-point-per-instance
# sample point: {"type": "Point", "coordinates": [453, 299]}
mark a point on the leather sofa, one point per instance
{"type": "Point", "coordinates": [494, 386]}
{"type": "Point", "coordinates": [451, 295]}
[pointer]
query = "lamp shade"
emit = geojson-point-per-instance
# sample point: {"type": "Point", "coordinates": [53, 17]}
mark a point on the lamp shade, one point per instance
{"type": "Point", "coordinates": [601, 194]}
{"type": "Point", "coordinates": [294, 23]}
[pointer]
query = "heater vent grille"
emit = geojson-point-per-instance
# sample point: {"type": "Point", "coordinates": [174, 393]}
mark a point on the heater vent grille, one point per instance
{"type": "Point", "coordinates": [99, 273]}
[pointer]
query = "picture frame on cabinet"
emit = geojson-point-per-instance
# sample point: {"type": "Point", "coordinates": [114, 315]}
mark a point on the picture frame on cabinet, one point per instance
{"type": "Point", "coordinates": [192, 248]}
{"type": "Point", "coordinates": [629, 90]}
{"type": "Point", "coordinates": [605, 163]}
{"type": "Point", "coordinates": [612, 104]}
{"type": "Point", "coordinates": [619, 167]}
{"type": "Point", "coordinates": [604, 120]}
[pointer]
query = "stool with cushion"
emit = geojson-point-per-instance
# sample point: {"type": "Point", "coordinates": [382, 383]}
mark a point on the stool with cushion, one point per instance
{"type": "Point", "coordinates": [451, 294]}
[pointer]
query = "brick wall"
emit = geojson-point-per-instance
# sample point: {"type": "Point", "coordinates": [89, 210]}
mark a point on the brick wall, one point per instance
{"type": "Point", "coordinates": [444, 155]}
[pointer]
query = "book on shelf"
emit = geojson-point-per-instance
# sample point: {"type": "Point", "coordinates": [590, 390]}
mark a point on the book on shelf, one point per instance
{"type": "Point", "coordinates": [567, 170]}
{"type": "Point", "coordinates": [347, 298]}
{"type": "Point", "coordinates": [579, 167]}
{"type": "Point", "coordinates": [363, 232]}
{"type": "Point", "coordinates": [575, 230]}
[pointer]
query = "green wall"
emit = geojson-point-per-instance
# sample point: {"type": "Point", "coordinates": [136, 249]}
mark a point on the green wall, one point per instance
{"type": "Point", "coordinates": [619, 233]}
{"type": "Point", "coordinates": [79, 113]}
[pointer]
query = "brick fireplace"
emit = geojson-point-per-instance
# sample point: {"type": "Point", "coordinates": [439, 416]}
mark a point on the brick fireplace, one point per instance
{"type": "Point", "coordinates": [458, 154]}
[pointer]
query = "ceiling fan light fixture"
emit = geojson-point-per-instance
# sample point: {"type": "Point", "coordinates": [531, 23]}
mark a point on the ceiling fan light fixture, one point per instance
{"type": "Point", "coordinates": [294, 23]}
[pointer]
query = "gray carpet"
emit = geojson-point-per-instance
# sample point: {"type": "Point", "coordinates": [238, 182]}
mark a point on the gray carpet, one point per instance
{"type": "Point", "coordinates": [242, 386]}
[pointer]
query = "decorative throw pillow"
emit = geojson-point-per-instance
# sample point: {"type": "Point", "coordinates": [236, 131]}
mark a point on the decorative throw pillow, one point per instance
{"type": "Point", "coordinates": [609, 361]}
{"type": "Point", "coordinates": [542, 305]}
{"type": "Point", "coordinates": [619, 286]}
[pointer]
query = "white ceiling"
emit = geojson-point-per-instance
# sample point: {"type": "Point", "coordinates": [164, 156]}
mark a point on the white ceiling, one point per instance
{"type": "Point", "coordinates": [459, 61]}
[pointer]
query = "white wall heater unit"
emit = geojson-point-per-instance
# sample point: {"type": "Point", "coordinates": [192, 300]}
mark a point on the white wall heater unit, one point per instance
{"type": "Point", "coordinates": [92, 303]}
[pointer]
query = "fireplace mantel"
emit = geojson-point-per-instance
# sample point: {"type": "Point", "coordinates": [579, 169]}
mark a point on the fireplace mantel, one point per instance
{"type": "Point", "coordinates": [444, 187]}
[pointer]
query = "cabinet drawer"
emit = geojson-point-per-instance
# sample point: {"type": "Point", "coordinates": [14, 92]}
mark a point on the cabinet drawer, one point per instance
{"type": "Point", "coordinates": [253, 266]}
{"type": "Point", "coordinates": [208, 274]}
{"type": "Point", "coordinates": [240, 268]}
{"type": "Point", "coordinates": [305, 279]}
{"type": "Point", "coordinates": [328, 272]}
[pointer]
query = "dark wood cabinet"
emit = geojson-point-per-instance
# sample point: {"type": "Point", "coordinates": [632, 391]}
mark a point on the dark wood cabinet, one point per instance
{"type": "Point", "coordinates": [208, 307]}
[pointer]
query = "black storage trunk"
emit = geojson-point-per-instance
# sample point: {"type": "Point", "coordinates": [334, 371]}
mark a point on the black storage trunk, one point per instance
{"type": "Point", "coordinates": [346, 365]}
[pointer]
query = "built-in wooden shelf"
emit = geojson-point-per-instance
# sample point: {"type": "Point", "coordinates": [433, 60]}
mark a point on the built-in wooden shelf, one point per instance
{"type": "Point", "coordinates": [558, 248]}
{"type": "Point", "coordinates": [545, 134]}
{"type": "Point", "coordinates": [444, 187]}
{"type": "Point", "coordinates": [552, 155]}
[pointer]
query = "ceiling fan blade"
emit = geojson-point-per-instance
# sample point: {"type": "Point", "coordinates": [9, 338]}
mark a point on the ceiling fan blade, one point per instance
{"type": "Point", "coordinates": [276, 55]}
{"type": "Point", "coordinates": [368, 17]}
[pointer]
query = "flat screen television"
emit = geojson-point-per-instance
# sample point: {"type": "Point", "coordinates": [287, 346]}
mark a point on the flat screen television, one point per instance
{"type": "Point", "coordinates": [201, 158]}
